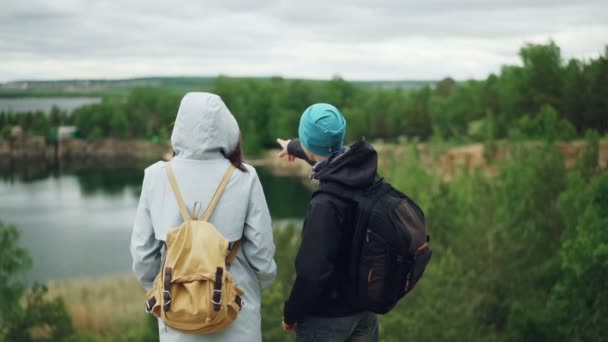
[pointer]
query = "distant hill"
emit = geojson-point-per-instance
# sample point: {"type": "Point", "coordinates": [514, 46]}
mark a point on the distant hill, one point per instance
{"type": "Point", "coordinates": [28, 88]}
{"type": "Point", "coordinates": [98, 87]}
{"type": "Point", "coordinates": [405, 84]}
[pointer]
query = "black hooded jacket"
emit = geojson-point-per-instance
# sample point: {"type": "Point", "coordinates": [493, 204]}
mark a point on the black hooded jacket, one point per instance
{"type": "Point", "coordinates": [322, 259]}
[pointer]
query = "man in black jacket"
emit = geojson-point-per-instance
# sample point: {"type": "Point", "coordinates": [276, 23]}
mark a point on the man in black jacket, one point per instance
{"type": "Point", "coordinates": [318, 307]}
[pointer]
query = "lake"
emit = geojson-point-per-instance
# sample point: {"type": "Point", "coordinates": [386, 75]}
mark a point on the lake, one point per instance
{"type": "Point", "coordinates": [32, 104]}
{"type": "Point", "coordinates": [78, 223]}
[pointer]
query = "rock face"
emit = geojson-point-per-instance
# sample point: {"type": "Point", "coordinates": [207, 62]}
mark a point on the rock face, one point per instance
{"type": "Point", "coordinates": [109, 148]}
{"type": "Point", "coordinates": [449, 162]}
{"type": "Point", "coordinates": [282, 167]}
{"type": "Point", "coordinates": [38, 148]}
{"type": "Point", "coordinates": [26, 148]}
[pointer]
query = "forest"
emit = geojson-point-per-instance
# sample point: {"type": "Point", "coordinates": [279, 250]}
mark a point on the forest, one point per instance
{"type": "Point", "coordinates": [544, 97]}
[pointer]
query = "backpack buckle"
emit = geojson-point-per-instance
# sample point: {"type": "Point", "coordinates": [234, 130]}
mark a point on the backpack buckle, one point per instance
{"type": "Point", "coordinates": [166, 295]}
{"type": "Point", "coordinates": [150, 304]}
{"type": "Point", "coordinates": [240, 302]}
{"type": "Point", "coordinates": [166, 288]}
{"type": "Point", "coordinates": [166, 300]}
{"type": "Point", "coordinates": [216, 299]}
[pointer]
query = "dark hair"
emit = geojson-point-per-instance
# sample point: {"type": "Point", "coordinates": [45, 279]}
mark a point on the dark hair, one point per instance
{"type": "Point", "coordinates": [236, 157]}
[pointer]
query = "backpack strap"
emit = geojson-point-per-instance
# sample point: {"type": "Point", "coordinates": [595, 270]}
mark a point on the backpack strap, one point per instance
{"type": "Point", "coordinates": [178, 194]}
{"type": "Point", "coordinates": [233, 252]}
{"type": "Point", "coordinates": [216, 197]}
{"type": "Point", "coordinates": [218, 193]}
{"type": "Point", "coordinates": [365, 199]}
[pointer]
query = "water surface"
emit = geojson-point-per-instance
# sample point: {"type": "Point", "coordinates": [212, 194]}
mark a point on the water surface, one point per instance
{"type": "Point", "coordinates": [78, 223]}
{"type": "Point", "coordinates": [44, 104]}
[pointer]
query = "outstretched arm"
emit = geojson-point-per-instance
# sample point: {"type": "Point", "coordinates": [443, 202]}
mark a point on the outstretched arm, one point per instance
{"type": "Point", "coordinates": [293, 149]}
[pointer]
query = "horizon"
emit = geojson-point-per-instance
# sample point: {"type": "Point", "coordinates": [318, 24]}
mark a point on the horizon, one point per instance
{"type": "Point", "coordinates": [217, 76]}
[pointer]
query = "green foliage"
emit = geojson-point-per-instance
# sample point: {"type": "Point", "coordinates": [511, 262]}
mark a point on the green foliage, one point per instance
{"type": "Point", "coordinates": [543, 74]}
{"type": "Point", "coordinates": [5, 132]}
{"type": "Point", "coordinates": [38, 318]}
{"type": "Point", "coordinates": [545, 125]}
{"type": "Point", "coordinates": [451, 115]}
{"type": "Point", "coordinates": [148, 333]}
{"type": "Point", "coordinates": [419, 183]}
{"type": "Point", "coordinates": [519, 256]}
{"type": "Point", "coordinates": [588, 162]}
{"type": "Point", "coordinates": [287, 240]}
{"type": "Point", "coordinates": [119, 125]}
{"type": "Point", "coordinates": [14, 261]}
{"type": "Point", "coordinates": [41, 319]}
{"type": "Point", "coordinates": [578, 299]}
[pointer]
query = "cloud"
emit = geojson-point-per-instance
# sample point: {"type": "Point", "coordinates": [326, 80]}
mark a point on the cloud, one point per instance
{"type": "Point", "coordinates": [317, 39]}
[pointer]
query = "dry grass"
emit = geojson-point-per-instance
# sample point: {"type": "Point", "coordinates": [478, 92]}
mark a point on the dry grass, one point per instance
{"type": "Point", "coordinates": [103, 306]}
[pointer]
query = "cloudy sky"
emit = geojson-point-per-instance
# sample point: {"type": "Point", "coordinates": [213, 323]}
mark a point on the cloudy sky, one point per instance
{"type": "Point", "coordinates": [356, 39]}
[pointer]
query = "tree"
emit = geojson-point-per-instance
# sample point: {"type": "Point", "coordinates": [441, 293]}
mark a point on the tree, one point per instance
{"type": "Point", "coordinates": [38, 314]}
{"type": "Point", "coordinates": [3, 119]}
{"type": "Point", "coordinates": [119, 125]}
{"type": "Point", "coordinates": [596, 117]}
{"type": "Point", "coordinates": [577, 306]}
{"type": "Point", "coordinates": [445, 87]}
{"type": "Point", "coordinates": [418, 121]}
{"type": "Point", "coordinates": [576, 94]}
{"type": "Point", "coordinates": [56, 116]}
{"type": "Point", "coordinates": [546, 125]}
{"type": "Point", "coordinates": [512, 97]}
{"type": "Point", "coordinates": [543, 75]}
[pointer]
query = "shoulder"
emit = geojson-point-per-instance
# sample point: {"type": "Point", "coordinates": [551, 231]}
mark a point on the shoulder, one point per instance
{"type": "Point", "coordinates": [248, 178]}
{"type": "Point", "coordinates": [323, 197]}
{"type": "Point", "coordinates": [327, 200]}
{"type": "Point", "coordinates": [154, 171]}
{"type": "Point", "coordinates": [250, 170]}
{"type": "Point", "coordinates": [151, 176]}
{"type": "Point", "coordinates": [155, 168]}
{"type": "Point", "coordinates": [249, 175]}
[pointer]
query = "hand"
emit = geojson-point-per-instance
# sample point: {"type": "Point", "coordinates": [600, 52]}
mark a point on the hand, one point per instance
{"type": "Point", "coordinates": [290, 328]}
{"type": "Point", "coordinates": [284, 152]}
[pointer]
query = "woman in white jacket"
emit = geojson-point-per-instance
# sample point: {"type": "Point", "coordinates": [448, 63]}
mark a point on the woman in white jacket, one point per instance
{"type": "Point", "coordinates": [205, 139]}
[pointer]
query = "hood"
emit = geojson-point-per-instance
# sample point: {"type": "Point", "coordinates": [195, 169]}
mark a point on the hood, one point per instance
{"type": "Point", "coordinates": [204, 128]}
{"type": "Point", "coordinates": [356, 167]}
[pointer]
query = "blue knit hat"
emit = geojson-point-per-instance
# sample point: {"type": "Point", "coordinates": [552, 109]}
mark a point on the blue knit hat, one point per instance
{"type": "Point", "coordinates": [322, 128]}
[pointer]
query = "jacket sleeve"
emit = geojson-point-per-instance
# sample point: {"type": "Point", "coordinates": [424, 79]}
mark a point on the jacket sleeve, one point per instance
{"type": "Point", "coordinates": [315, 261]}
{"type": "Point", "coordinates": [258, 244]}
{"type": "Point", "coordinates": [295, 149]}
{"type": "Point", "coordinates": [145, 248]}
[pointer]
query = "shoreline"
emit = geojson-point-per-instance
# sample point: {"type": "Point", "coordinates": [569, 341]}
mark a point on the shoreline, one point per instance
{"type": "Point", "coordinates": [443, 158]}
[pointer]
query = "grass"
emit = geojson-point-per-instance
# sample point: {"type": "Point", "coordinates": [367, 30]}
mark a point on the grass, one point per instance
{"type": "Point", "coordinates": [106, 307]}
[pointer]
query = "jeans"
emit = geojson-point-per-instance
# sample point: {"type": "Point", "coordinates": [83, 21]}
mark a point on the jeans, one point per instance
{"type": "Point", "coordinates": [362, 327]}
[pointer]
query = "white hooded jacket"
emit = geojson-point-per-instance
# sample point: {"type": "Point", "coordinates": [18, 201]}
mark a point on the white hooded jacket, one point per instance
{"type": "Point", "coordinates": [204, 132]}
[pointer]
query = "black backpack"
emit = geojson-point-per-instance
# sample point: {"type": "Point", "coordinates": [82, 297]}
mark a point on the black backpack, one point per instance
{"type": "Point", "coordinates": [390, 247]}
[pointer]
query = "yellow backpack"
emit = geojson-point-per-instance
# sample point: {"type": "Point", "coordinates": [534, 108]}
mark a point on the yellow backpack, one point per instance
{"type": "Point", "coordinates": [193, 292]}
